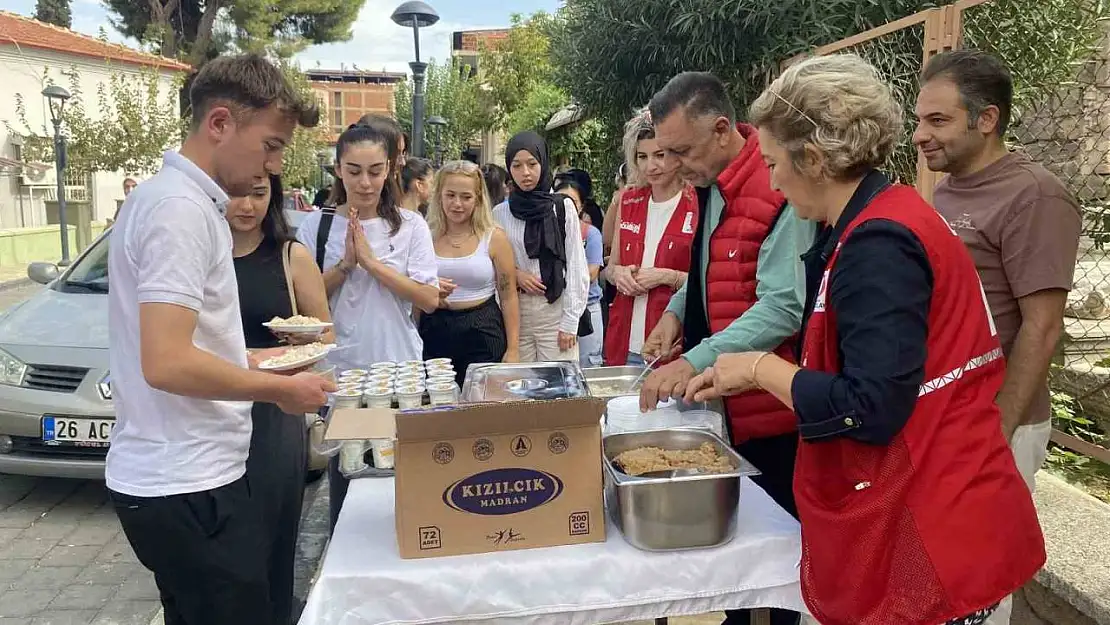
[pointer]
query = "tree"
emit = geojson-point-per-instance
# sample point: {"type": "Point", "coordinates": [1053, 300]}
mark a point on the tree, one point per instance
{"type": "Point", "coordinates": [452, 94]}
{"type": "Point", "coordinates": [198, 30]}
{"type": "Point", "coordinates": [138, 120]}
{"type": "Point", "coordinates": [514, 68]}
{"type": "Point", "coordinates": [300, 164]}
{"type": "Point", "coordinates": [55, 12]}
{"type": "Point", "coordinates": [612, 55]}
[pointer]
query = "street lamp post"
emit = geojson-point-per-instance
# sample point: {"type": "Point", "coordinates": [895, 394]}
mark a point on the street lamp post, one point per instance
{"type": "Point", "coordinates": [438, 123]}
{"type": "Point", "coordinates": [416, 15]}
{"type": "Point", "coordinates": [56, 101]}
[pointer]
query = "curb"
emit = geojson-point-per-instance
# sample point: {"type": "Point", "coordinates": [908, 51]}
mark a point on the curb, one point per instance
{"type": "Point", "coordinates": [15, 284]}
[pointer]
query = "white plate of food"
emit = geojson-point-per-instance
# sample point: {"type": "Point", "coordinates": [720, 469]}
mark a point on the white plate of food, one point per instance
{"type": "Point", "coordinates": [297, 357]}
{"type": "Point", "coordinates": [298, 324]}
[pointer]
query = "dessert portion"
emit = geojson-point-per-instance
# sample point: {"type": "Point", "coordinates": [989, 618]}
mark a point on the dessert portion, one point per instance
{"type": "Point", "coordinates": [296, 354]}
{"type": "Point", "coordinates": [294, 321]}
{"type": "Point", "coordinates": [704, 459]}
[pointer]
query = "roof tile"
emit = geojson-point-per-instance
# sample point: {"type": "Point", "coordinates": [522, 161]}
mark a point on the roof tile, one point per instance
{"type": "Point", "coordinates": [30, 33]}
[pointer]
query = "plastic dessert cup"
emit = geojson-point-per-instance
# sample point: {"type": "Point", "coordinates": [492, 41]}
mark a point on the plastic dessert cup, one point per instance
{"type": "Point", "coordinates": [443, 393]}
{"type": "Point", "coordinates": [409, 397]}
{"type": "Point", "coordinates": [378, 398]}
{"type": "Point", "coordinates": [382, 449]}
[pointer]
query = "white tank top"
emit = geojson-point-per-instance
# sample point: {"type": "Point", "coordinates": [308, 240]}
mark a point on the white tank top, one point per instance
{"type": "Point", "coordinates": [473, 275]}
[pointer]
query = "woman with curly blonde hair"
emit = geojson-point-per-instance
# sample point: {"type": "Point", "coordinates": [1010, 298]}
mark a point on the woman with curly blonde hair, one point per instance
{"type": "Point", "coordinates": [475, 262]}
{"type": "Point", "coordinates": [912, 509]}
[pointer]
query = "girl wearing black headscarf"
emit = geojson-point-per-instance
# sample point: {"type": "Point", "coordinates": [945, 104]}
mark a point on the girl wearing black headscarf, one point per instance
{"type": "Point", "coordinates": [551, 262]}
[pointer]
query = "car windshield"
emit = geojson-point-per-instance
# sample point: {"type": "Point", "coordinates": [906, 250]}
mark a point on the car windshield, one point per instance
{"type": "Point", "coordinates": [90, 273]}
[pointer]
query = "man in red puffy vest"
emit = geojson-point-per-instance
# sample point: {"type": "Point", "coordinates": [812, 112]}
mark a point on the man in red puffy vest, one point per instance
{"type": "Point", "coordinates": [746, 286]}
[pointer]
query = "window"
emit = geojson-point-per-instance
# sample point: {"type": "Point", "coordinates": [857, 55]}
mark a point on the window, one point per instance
{"type": "Point", "coordinates": [337, 115]}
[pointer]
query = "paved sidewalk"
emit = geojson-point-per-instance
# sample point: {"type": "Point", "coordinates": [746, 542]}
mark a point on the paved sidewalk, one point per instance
{"type": "Point", "coordinates": [64, 559]}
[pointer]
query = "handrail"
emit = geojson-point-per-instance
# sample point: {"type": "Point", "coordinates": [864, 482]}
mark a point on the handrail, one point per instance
{"type": "Point", "coordinates": [867, 35]}
{"type": "Point", "coordinates": [1081, 446]}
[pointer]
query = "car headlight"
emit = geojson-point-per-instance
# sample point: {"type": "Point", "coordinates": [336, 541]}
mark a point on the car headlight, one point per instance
{"type": "Point", "coordinates": [12, 369]}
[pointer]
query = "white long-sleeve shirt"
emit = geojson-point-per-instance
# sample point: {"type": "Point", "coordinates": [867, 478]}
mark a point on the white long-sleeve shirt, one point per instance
{"type": "Point", "coordinates": [577, 273]}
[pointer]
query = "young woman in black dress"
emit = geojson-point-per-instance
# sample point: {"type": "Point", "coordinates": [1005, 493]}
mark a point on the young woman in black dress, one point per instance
{"type": "Point", "coordinates": [277, 278]}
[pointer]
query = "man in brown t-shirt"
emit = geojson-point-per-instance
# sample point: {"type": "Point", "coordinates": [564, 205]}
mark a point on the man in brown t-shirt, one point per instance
{"type": "Point", "coordinates": [1019, 222]}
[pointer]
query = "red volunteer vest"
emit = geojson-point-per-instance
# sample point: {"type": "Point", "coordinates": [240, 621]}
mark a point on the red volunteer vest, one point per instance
{"type": "Point", "coordinates": [672, 252]}
{"type": "Point", "coordinates": [751, 210]}
{"type": "Point", "coordinates": [938, 524]}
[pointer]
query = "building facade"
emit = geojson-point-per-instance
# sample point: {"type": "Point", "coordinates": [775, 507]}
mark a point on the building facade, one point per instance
{"type": "Point", "coordinates": [349, 94]}
{"type": "Point", "coordinates": [466, 48]}
{"type": "Point", "coordinates": [32, 55]}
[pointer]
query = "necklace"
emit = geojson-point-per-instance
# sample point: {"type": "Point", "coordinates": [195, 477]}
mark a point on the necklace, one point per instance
{"type": "Point", "coordinates": [456, 241]}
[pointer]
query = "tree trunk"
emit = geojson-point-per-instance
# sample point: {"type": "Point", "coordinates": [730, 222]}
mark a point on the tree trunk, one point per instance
{"type": "Point", "coordinates": [204, 33]}
{"type": "Point", "coordinates": [160, 14]}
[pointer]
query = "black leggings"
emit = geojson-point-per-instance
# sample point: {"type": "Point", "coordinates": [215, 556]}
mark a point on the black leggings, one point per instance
{"type": "Point", "coordinates": [465, 336]}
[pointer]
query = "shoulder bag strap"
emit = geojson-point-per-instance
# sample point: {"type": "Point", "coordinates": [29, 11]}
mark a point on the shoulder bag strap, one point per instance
{"type": "Point", "coordinates": [286, 253]}
{"type": "Point", "coordinates": [322, 234]}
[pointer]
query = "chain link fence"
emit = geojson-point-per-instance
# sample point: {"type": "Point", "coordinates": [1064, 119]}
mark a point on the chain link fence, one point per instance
{"type": "Point", "coordinates": [1059, 54]}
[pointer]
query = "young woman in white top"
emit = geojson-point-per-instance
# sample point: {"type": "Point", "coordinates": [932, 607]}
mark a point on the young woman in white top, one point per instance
{"type": "Point", "coordinates": [550, 259]}
{"type": "Point", "coordinates": [475, 262]}
{"type": "Point", "coordinates": [378, 261]}
{"type": "Point", "coordinates": [651, 244]}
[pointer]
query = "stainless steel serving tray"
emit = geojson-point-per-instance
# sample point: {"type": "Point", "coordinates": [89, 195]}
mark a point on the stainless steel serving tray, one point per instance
{"type": "Point", "coordinates": [672, 513]}
{"type": "Point", "coordinates": [521, 381]}
{"type": "Point", "coordinates": [609, 382]}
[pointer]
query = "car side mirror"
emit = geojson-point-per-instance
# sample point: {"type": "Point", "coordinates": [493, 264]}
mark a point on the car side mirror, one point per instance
{"type": "Point", "coordinates": [42, 272]}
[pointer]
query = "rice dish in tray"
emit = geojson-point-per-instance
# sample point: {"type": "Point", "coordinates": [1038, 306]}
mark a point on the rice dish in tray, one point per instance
{"type": "Point", "coordinates": [614, 388]}
{"type": "Point", "coordinates": [705, 459]}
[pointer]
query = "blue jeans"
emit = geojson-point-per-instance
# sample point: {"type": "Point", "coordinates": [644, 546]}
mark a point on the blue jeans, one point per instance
{"type": "Point", "coordinates": [635, 360]}
{"type": "Point", "coordinates": [590, 347]}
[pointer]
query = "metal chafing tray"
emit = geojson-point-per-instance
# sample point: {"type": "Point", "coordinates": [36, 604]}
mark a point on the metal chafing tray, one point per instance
{"type": "Point", "coordinates": [607, 382]}
{"type": "Point", "coordinates": [487, 382]}
{"type": "Point", "coordinates": [673, 513]}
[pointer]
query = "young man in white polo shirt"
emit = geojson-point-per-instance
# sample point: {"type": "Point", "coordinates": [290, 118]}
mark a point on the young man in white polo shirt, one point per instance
{"type": "Point", "coordinates": [182, 382]}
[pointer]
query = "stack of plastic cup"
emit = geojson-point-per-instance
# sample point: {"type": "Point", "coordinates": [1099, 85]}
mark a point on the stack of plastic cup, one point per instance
{"type": "Point", "coordinates": [351, 375]}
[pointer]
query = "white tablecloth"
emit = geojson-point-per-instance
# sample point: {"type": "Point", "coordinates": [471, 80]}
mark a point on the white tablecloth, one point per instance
{"type": "Point", "coordinates": [365, 582]}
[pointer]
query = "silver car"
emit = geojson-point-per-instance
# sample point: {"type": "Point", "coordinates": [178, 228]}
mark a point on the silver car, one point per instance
{"type": "Point", "coordinates": [56, 410]}
{"type": "Point", "coordinates": [55, 394]}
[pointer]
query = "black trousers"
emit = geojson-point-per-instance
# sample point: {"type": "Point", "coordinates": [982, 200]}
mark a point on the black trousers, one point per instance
{"type": "Point", "coordinates": [465, 336]}
{"type": "Point", "coordinates": [276, 473]}
{"type": "Point", "coordinates": [774, 457]}
{"type": "Point", "coordinates": [206, 551]}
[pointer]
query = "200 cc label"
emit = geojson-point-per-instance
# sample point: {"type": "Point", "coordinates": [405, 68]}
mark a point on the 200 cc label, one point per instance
{"type": "Point", "coordinates": [503, 491]}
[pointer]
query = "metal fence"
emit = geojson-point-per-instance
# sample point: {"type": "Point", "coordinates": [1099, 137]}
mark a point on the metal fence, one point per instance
{"type": "Point", "coordinates": [1059, 54]}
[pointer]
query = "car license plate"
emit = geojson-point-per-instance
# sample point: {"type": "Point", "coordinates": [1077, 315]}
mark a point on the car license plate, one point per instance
{"type": "Point", "coordinates": [75, 431]}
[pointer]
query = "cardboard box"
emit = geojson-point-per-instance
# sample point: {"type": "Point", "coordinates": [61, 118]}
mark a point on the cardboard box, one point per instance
{"type": "Point", "coordinates": [479, 478]}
